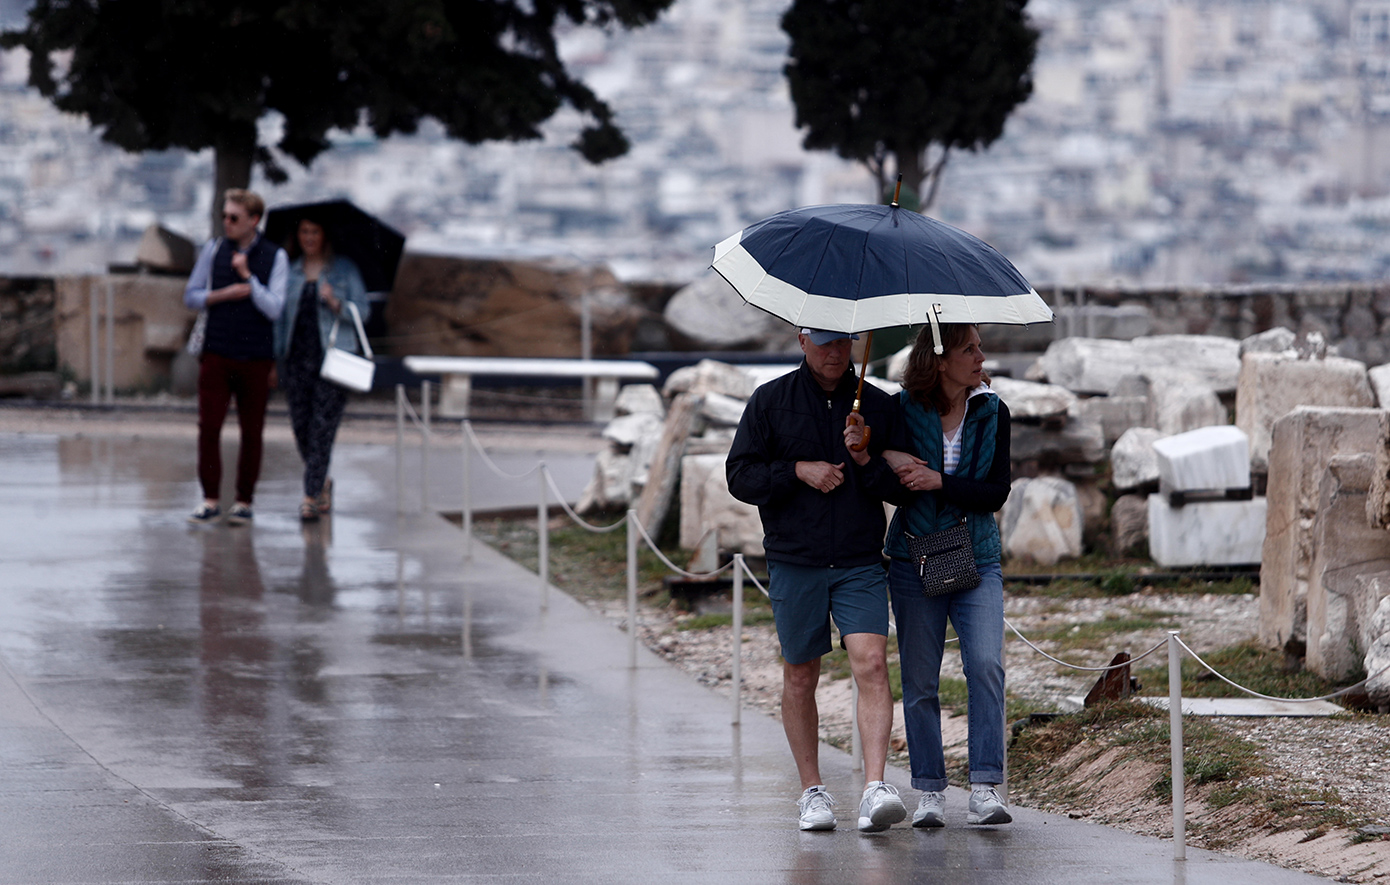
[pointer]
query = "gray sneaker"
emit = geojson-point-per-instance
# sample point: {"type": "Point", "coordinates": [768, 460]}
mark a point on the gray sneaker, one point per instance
{"type": "Point", "coordinates": [987, 808]}
{"type": "Point", "coordinates": [204, 515]}
{"type": "Point", "coordinates": [880, 808]}
{"type": "Point", "coordinates": [816, 805]}
{"type": "Point", "coordinates": [239, 514]}
{"type": "Point", "coordinates": [931, 810]}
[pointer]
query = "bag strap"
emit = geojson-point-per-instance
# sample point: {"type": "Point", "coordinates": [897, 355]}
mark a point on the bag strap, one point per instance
{"type": "Point", "coordinates": [361, 332]}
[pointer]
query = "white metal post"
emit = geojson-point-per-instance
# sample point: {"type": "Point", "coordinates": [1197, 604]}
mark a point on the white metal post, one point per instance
{"type": "Point", "coordinates": [424, 446]}
{"type": "Point", "coordinates": [467, 490]}
{"type": "Point", "coordinates": [543, 539]}
{"type": "Point", "coordinates": [400, 448]}
{"type": "Point", "coordinates": [586, 351]}
{"type": "Point", "coordinates": [1004, 783]}
{"type": "Point", "coordinates": [736, 663]}
{"type": "Point", "coordinates": [1175, 735]}
{"type": "Point", "coordinates": [632, 588]}
{"type": "Point", "coordinates": [110, 342]}
{"type": "Point", "coordinates": [95, 343]}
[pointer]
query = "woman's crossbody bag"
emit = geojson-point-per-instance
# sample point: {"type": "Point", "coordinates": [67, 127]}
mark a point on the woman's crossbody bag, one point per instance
{"type": "Point", "coordinates": [344, 368]}
{"type": "Point", "coordinates": [945, 560]}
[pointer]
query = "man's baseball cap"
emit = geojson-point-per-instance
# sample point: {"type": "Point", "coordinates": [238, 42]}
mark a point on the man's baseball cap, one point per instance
{"type": "Point", "coordinates": [820, 337]}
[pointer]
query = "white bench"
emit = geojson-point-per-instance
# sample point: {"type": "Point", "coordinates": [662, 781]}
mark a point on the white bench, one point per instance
{"type": "Point", "coordinates": [457, 374]}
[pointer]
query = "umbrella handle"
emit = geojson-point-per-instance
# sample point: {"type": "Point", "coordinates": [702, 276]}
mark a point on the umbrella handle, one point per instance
{"type": "Point", "coordinates": [858, 420]}
{"type": "Point", "coordinates": [854, 416]}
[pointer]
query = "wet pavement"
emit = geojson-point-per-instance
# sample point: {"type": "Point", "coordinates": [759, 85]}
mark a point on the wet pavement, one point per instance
{"type": "Point", "coordinates": [352, 702]}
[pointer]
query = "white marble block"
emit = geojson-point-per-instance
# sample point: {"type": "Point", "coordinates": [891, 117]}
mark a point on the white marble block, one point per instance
{"type": "Point", "coordinates": [1209, 533]}
{"type": "Point", "coordinates": [706, 505]}
{"type": "Point", "coordinates": [1042, 521]}
{"type": "Point", "coordinates": [1133, 461]}
{"type": "Point", "coordinates": [1031, 400]}
{"type": "Point", "coordinates": [1380, 384]}
{"type": "Point", "coordinates": [1207, 458]}
{"type": "Point", "coordinates": [1274, 384]}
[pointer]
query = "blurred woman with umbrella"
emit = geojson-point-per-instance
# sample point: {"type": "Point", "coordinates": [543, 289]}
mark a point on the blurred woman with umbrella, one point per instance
{"type": "Point", "coordinates": [321, 286]}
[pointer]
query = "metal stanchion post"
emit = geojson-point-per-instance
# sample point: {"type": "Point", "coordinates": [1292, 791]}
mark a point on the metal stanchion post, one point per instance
{"type": "Point", "coordinates": [110, 342]}
{"type": "Point", "coordinates": [467, 491]}
{"type": "Point", "coordinates": [1004, 783]}
{"type": "Point", "coordinates": [92, 339]}
{"type": "Point", "coordinates": [586, 351]}
{"type": "Point", "coordinates": [424, 446]}
{"type": "Point", "coordinates": [1175, 736]}
{"type": "Point", "coordinates": [400, 448]}
{"type": "Point", "coordinates": [632, 588]}
{"type": "Point", "coordinates": [736, 662]}
{"type": "Point", "coordinates": [543, 539]}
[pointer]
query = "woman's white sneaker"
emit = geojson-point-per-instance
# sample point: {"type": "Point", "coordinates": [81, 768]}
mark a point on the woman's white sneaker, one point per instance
{"type": "Point", "coordinates": [931, 810]}
{"type": "Point", "coordinates": [987, 808]}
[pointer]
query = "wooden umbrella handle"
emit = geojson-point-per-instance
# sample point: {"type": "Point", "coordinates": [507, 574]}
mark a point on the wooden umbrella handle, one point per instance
{"type": "Point", "coordinates": [858, 420]}
{"type": "Point", "coordinates": [854, 416]}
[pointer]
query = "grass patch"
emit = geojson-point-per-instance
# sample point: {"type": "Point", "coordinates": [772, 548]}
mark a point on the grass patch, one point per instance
{"type": "Point", "coordinates": [585, 564]}
{"type": "Point", "coordinates": [724, 619]}
{"type": "Point", "coordinates": [1249, 664]}
{"type": "Point", "coordinates": [1089, 633]}
{"type": "Point", "coordinates": [1096, 575]}
{"type": "Point", "coordinates": [1214, 758]}
{"type": "Point", "coordinates": [953, 695]}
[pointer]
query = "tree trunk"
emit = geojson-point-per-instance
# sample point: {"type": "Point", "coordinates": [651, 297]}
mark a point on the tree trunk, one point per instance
{"type": "Point", "coordinates": [232, 155]}
{"type": "Point", "coordinates": [923, 178]}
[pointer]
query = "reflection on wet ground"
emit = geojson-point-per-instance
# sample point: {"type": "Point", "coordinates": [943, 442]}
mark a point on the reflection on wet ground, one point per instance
{"type": "Point", "coordinates": [349, 701]}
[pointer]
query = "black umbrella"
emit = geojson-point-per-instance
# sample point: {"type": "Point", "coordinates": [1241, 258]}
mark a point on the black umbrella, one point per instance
{"type": "Point", "coordinates": [371, 243]}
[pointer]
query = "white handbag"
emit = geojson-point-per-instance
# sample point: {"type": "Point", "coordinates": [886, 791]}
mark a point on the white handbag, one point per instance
{"type": "Point", "coordinates": [344, 368]}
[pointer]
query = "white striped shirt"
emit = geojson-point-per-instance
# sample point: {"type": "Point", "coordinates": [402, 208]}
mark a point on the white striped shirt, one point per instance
{"type": "Point", "coordinates": [950, 450]}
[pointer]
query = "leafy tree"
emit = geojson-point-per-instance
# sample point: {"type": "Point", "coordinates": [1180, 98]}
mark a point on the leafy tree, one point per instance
{"type": "Point", "coordinates": [874, 79]}
{"type": "Point", "coordinates": [193, 74]}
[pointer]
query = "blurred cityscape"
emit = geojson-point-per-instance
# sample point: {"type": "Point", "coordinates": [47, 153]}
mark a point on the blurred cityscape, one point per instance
{"type": "Point", "coordinates": [1168, 142]}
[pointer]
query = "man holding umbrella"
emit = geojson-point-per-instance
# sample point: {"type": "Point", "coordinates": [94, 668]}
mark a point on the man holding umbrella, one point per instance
{"type": "Point", "coordinates": [821, 505]}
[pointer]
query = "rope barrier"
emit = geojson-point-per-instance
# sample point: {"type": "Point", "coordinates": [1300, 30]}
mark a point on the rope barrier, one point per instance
{"type": "Point", "coordinates": [754, 578]}
{"type": "Point", "coordinates": [1131, 661]}
{"type": "Point", "coordinates": [492, 465]}
{"type": "Point", "coordinates": [412, 414]}
{"type": "Point", "coordinates": [641, 530]}
{"type": "Point", "coordinates": [1327, 697]}
{"type": "Point", "coordinates": [574, 517]}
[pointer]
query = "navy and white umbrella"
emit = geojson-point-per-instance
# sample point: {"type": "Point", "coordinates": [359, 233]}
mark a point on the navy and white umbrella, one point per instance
{"type": "Point", "coordinates": [855, 268]}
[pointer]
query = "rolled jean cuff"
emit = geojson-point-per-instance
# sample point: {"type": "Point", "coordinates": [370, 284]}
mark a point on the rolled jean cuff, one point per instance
{"type": "Point", "coordinates": [995, 777]}
{"type": "Point", "coordinates": [929, 784]}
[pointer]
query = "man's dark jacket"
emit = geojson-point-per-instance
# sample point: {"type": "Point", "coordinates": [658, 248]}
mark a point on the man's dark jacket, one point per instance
{"type": "Point", "coordinates": [792, 419]}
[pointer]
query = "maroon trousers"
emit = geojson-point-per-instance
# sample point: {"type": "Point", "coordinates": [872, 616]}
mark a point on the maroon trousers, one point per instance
{"type": "Point", "coordinates": [220, 379]}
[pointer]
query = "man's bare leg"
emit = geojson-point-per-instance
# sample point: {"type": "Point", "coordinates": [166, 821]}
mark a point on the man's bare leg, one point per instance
{"type": "Point", "coordinates": [868, 663]}
{"type": "Point", "coordinates": [801, 718]}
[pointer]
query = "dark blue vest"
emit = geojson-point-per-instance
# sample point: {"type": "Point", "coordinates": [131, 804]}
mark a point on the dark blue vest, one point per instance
{"type": "Point", "coordinates": [237, 329]}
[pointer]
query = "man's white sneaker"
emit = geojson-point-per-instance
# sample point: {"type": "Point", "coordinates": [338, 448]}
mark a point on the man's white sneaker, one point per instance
{"type": "Point", "coordinates": [987, 808]}
{"type": "Point", "coordinates": [816, 805]}
{"type": "Point", "coordinates": [880, 808]}
{"type": "Point", "coordinates": [931, 810]}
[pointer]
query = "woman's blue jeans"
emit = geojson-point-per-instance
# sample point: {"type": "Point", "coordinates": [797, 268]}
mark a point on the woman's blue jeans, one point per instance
{"type": "Point", "coordinates": [978, 616]}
